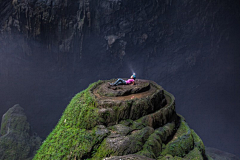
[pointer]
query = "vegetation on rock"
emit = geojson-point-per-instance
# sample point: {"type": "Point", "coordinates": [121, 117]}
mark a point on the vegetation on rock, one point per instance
{"type": "Point", "coordinates": [16, 141]}
{"type": "Point", "coordinates": [96, 126]}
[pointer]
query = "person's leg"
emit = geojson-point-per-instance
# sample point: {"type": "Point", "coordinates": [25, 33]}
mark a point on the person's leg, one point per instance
{"type": "Point", "coordinates": [116, 82]}
{"type": "Point", "coordinates": [120, 81]}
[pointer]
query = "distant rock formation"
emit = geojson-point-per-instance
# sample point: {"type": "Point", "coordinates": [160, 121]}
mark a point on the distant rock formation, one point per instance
{"type": "Point", "coordinates": [16, 141]}
{"type": "Point", "coordinates": [122, 122]}
{"type": "Point", "coordinates": [217, 154]}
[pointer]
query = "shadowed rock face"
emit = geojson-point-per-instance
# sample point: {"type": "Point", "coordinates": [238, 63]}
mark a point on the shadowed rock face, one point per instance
{"type": "Point", "coordinates": [140, 125]}
{"type": "Point", "coordinates": [16, 141]}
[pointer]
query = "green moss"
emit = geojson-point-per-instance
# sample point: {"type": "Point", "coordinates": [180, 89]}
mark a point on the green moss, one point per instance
{"type": "Point", "coordinates": [166, 131]}
{"type": "Point", "coordinates": [195, 154]}
{"type": "Point", "coordinates": [125, 145]}
{"type": "Point", "coordinates": [81, 112]}
{"type": "Point", "coordinates": [140, 137]}
{"type": "Point", "coordinates": [185, 144]}
{"type": "Point", "coordinates": [66, 143]}
{"type": "Point", "coordinates": [146, 153]}
{"type": "Point", "coordinates": [181, 143]}
{"type": "Point", "coordinates": [198, 143]}
{"type": "Point", "coordinates": [72, 138]}
{"type": "Point", "coordinates": [126, 122]}
{"type": "Point", "coordinates": [152, 147]}
{"type": "Point", "coordinates": [103, 151]}
{"type": "Point", "coordinates": [116, 111]}
{"type": "Point", "coordinates": [123, 111]}
{"type": "Point", "coordinates": [136, 125]}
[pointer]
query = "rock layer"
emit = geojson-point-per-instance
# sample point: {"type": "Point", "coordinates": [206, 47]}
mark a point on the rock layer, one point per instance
{"type": "Point", "coordinates": [140, 125]}
{"type": "Point", "coordinates": [146, 99]}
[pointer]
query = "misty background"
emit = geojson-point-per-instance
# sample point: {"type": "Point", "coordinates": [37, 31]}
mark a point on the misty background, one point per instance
{"type": "Point", "coordinates": [192, 49]}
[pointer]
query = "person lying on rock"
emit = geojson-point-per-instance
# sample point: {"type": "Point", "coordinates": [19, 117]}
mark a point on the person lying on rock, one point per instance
{"type": "Point", "coordinates": [123, 82]}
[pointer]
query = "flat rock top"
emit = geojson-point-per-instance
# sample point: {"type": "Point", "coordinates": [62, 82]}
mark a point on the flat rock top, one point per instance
{"type": "Point", "coordinates": [123, 90]}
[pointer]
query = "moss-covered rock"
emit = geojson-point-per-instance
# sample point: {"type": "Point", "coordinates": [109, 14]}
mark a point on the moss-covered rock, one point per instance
{"type": "Point", "coordinates": [143, 124]}
{"type": "Point", "coordinates": [198, 143]}
{"type": "Point", "coordinates": [15, 120]}
{"type": "Point", "coordinates": [16, 141]}
{"type": "Point", "coordinates": [185, 144]}
{"type": "Point", "coordinates": [181, 143]}
{"type": "Point", "coordinates": [76, 133]}
{"type": "Point", "coordinates": [194, 154]}
{"type": "Point", "coordinates": [153, 146]}
{"type": "Point", "coordinates": [122, 145]}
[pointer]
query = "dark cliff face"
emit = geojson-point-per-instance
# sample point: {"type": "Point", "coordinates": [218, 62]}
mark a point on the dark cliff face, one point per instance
{"type": "Point", "coordinates": [51, 49]}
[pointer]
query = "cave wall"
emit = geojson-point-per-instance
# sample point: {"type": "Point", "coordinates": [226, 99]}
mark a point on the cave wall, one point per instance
{"type": "Point", "coordinates": [52, 49]}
